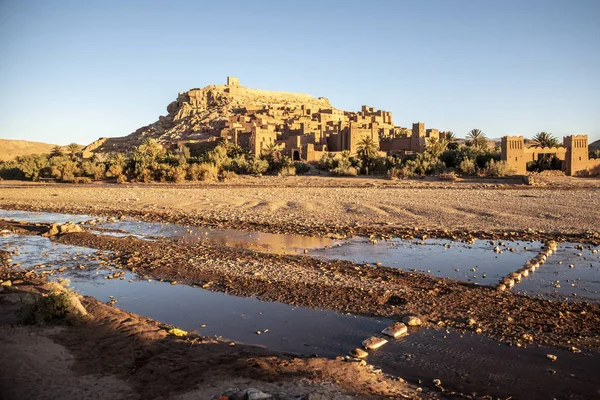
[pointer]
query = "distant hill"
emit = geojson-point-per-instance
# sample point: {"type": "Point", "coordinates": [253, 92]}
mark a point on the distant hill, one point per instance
{"type": "Point", "coordinates": [594, 146]}
{"type": "Point", "coordinates": [10, 149]}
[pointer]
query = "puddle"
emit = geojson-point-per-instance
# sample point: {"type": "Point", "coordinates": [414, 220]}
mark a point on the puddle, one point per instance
{"type": "Point", "coordinates": [476, 262]}
{"type": "Point", "coordinates": [290, 329]}
{"type": "Point", "coordinates": [555, 279]}
{"type": "Point", "coordinates": [471, 363]}
{"type": "Point", "coordinates": [257, 241]}
{"type": "Point", "coordinates": [42, 217]}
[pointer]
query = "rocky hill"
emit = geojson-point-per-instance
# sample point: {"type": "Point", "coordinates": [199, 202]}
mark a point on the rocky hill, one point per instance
{"type": "Point", "coordinates": [200, 114]}
{"type": "Point", "coordinates": [10, 149]}
{"type": "Point", "coordinates": [595, 145]}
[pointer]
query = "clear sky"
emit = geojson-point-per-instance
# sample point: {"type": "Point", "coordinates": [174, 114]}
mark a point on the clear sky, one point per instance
{"type": "Point", "coordinates": [79, 70]}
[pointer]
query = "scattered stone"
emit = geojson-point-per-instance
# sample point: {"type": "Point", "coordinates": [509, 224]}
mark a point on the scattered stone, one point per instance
{"type": "Point", "coordinates": [6, 284]}
{"type": "Point", "coordinates": [358, 353]}
{"type": "Point", "coordinates": [395, 330]}
{"type": "Point", "coordinates": [373, 343]}
{"type": "Point", "coordinates": [412, 320]}
{"type": "Point", "coordinates": [59, 229]}
{"type": "Point", "coordinates": [551, 357]}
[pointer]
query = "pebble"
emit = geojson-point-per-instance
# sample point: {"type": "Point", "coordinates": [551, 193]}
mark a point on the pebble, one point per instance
{"type": "Point", "coordinates": [551, 357]}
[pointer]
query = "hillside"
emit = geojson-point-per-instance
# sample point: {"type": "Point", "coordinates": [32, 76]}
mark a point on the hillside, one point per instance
{"type": "Point", "coordinates": [594, 146]}
{"type": "Point", "coordinates": [200, 114]}
{"type": "Point", "coordinates": [10, 149]}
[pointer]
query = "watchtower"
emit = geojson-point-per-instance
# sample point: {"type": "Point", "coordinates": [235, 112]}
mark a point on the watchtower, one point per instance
{"type": "Point", "coordinates": [576, 157]}
{"type": "Point", "coordinates": [417, 140]}
{"type": "Point", "coordinates": [233, 81]}
{"type": "Point", "coordinates": [513, 153]}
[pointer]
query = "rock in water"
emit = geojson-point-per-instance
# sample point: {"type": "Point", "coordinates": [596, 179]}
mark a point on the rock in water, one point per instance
{"type": "Point", "coordinates": [59, 229]}
{"type": "Point", "coordinates": [411, 320]}
{"type": "Point", "coordinates": [373, 343]}
{"type": "Point", "coordinates": [358, 353]}
{"type": "Point", "coordinates": [396, 330]}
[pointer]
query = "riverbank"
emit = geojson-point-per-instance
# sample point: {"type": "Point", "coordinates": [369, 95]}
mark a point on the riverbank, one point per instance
{"type": "Point", "coordinates": [120, 355]}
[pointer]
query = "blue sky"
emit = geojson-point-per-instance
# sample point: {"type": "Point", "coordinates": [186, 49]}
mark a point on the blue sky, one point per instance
{"type": "Point", "coordinates": [79, 70]}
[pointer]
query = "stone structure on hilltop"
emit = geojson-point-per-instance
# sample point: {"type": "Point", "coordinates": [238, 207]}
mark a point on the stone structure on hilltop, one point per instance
{"type": "Point", "coordinates": [574, 155]}
{"type": "Point", "coordinates": [303, 126]}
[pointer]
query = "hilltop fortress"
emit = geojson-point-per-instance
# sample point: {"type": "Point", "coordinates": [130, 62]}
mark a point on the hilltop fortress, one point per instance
{"type": "Point", "coordinates": [303, 126]}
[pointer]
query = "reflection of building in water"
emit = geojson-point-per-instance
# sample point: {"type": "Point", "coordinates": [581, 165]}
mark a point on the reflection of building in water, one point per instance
{"type": "Point", "coordinates": [306, 134]}
{"type": "Point", "coordinates": [574, 155]}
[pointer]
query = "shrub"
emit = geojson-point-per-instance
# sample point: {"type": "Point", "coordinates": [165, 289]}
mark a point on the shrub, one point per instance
{"type": "Point", "coordinates": [121, 178]}
{"type": "Point", "coordinates": [467, 167]}
{"type": "Point", "coordinates": [206, 172]}
{"type": "Point", "coordinates": [327, 162]}
{"type": "Point", "coordinates": [228, 175]}
{"type": "Point", "coordinates": [58, 306]}
{"type": "Point", "coordinates": [99, 171]}
{"type": "Point", "coordinates": [448, 176]}
{"type": "Point", "coordinates": [301, 168]}
{"type": "Point", "coordinates": [177, 174]}
{"type": "Point", "coordinates": [400, 172]}
{"type": "Point", "coordinates": [115, 170]}
{"type": "Point", "coordinates": [496, 169]}
{"type": "Point", "coordinates": [82, 179]}
{"type": "Point", "coordinates": [144, 175]}
{"type": "Point", "coordinates": [344, 171]}
{"type": "Point", "coordinates": [287, 171]}
{"type": "Point", "coordinates": [258, 166]}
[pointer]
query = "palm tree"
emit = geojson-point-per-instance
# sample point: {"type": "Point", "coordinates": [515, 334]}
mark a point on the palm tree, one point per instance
{"type": "Point", "coordinates": [545, 139]}
{"type": "Point", "coordinates": [436, 146]}
{"type": "Point", "coordinates": [56, 151]}
{"type": "Point", "coordinates": [366, 150]}
{"type": "Point", "coordinates": [451, 139]}
{"type": "Point", "coordinates": [476, 138]}
{"type": "Point", "coordinates": [72, 150]}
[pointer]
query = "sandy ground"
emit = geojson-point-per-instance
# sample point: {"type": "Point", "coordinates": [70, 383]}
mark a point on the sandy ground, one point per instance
{"type": "Point", "coordinates": [316, 204]}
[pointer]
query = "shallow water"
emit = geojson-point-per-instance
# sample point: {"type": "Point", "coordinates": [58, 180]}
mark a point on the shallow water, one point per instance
{"type": "Point", "coordinates": [555, 279]}
{"type": "Point", "coordinates": [257, 241]}
{"type": "Point", "coordinates": [463, 362]}
{"type": "Point", "coordinates": [476, 262]}
{"type": "Point", "coordinates": [290, 329]}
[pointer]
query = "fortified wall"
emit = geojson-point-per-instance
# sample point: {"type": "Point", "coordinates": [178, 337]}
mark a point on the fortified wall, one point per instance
{"type": "Point", "coordinates": [574, 155]}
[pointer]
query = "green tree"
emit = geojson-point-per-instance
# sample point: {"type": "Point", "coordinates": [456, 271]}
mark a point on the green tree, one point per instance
{"type": "Point", "coordinates": [72, 150]}
{"type": "Point", "coordinates": [545, 139]}
{"type": "Point", "coordinates": [451, 139]}
{"type": "Point", "coordinates": [476, 138]}
{"type": "Point", "coordinates": [366, 151]}
{"type": "Point", "coordinates": [56, 151]}
{"type": "Point", "coordinates": [436, 146]}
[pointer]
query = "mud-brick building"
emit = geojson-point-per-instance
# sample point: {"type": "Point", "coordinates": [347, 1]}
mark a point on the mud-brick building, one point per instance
{"type": "Point", "coordinates": [574, 155]}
